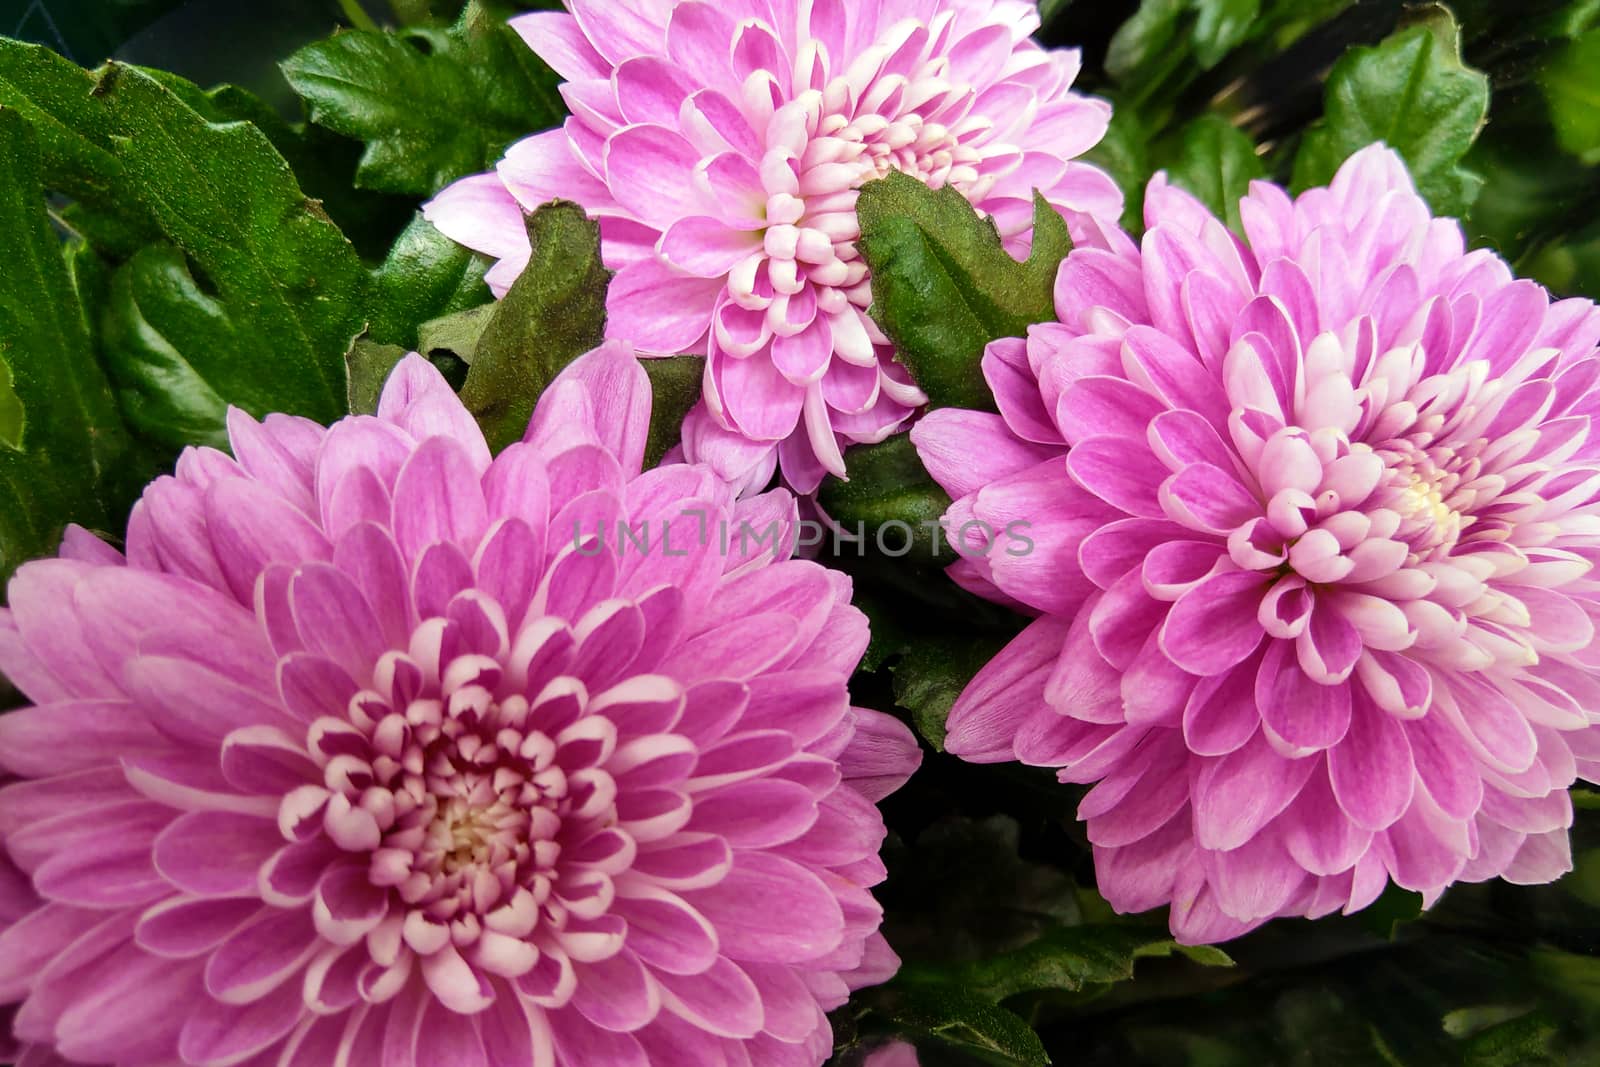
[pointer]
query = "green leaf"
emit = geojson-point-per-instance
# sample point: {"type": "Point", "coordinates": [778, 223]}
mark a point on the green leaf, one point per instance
{"type": "Point", "coordinates": [1413, 93]}
{"type": "Point", "coordinates": [675, 388]}
{"type": "Point", "coordinates": [67, 451]}
{"type": "Point", "coordinates": [1068, 959]}
{"type": "Point", "coordinates": [1520, 1042]}
{"type": "Point", "coordinates": [963, 1019]}
{"type": "Point", "coordinates": [1163, 33]}
{"type": "Point", "coordinates": [1571, 83]}
{"type": "Point", "coordinates": [1154, 31]}
{"type": "Point", "coordinates": [425, 277]}
{"type": "Point", "coordinates": [554, 312]}
{"type": "Point", "coordinates": [1216, 161]}
{"type": "Point", "coordinates": [431, 105]}
{"type": "Point", "coordinates": [266, 297]}
{"type": "Point", "coordinates": [890, 499]}
{"type": "Point", "coordinates": [75, 131]}
{"type": "Point", "coordinates": [1220, 26]}
{"type": "Point", "coordinates": [943, 286]}
{"type": "Point", "coordinates": [11, 423]}
{"type": "Point", "coordinates": [154, 313]}
{"type": "Point", "coordinates": [368, 364]}
{"type": "Point", "coordinates": [932, 674]}
{"type": "Point", "coordinates": [457, 333]}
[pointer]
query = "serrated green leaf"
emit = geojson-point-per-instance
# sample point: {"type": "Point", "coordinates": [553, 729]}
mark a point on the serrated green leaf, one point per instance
{"type": "Point", "coordinates": [963, 1019]}
{"type": "Point", "coordinates": [72, 450]}
{"type": "Point", "coordinates": [943, 287]}
{"type": "Point", "coordinates": [368, 364]}
{"type": "Point", "coordinates": [426, 276]}
{"type": "Point", "coordinates": [890, 497]}
{"type": "Point", "coordinates": [1066, 959]}
{"type": "Point", "coordinates": [264, 267]}
{"type": "Point", "coordinates": [1413, 93]}
{"type": "Point", "coordinates": [554, 312]}
{"type": "Point", "coordinates": [75, 131]}
{"type": "Point", "coordinates": [1571, 83]}
{"type": "Point", "coordinates": [675, 388]}
{"type": "Point", "coordinates": [1216, 161]}
{"type": "Point", "coordinates": [431, 105]}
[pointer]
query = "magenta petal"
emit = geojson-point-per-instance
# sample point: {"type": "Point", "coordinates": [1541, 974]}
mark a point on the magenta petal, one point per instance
{"type": "Point", "coordinates": [984, 719]}
{"type": "Point", "coordinates": [667, 932]}
{"type": "Point", "coordinates": [771, 910]}
{"type": "Point", "coordinates": [231, 1036]}
{"type": "Point", "coordinates": [1221, 714]}
{"type": "Point", "coordinates": [215, 853]}
{"type": "Point", "coordinates": [964, 450]}
{"type": "Point", "coordinates": [617, 994]}
{"type": "Point", "coordinates": [618, 392]}
{"type": "Point", "coordinates": [1238, 794]}
{"type": "Point", "coordinates": [660, 310]}
{"type": "Point", "coordinates": [705, 247]}
{"type": "Point", "coordinates": [1301, 714]}
{"type": "Point", "coordinates": [418, 400]}
{"type": "Point", "coordinates": [1372, 769]}
{"type": "Point", "coordinates": [1213, 626]}
{"type": "Point", "coordinates": [721, 1000]}
{"type": "Point", "coordinates": [1317, 832]}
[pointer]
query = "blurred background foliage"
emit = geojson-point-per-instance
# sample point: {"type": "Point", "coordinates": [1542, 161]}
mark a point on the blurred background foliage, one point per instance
{"type": "Point", "coordinates": [1011, 958]}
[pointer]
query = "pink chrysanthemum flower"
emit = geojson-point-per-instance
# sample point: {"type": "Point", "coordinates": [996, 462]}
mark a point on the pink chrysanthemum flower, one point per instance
{"type": "Point", "coordinates": [362, 756]}
{"type": "Point", "coordinates": [722, 145]}
{"type": "Point", "coordinates": [1314, 578]}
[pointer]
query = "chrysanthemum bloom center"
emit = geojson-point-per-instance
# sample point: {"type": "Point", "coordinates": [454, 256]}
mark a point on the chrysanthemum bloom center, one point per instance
{"type": "Point", "coordinates": [1424, 486]}
{"type": "Point", "coordinates": [458, 791]}
{"type": "Point", "coordinates": [822, 147]}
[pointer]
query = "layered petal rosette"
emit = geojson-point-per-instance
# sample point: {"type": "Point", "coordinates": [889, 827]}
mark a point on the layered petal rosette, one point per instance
{"type": "Point", "coordinates": [1309, 522]}
{"type": "Point", "coordinates": [371, 752]}
{"type": "Point", "coordinates": [721, 145]}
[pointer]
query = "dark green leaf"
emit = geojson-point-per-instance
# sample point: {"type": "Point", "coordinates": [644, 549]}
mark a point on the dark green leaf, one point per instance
{"type": "Point", "coordinates": [368, 365]}
{"type": "Point", "coordinates": [154, 314]}
{"type": "Point", "coordinates": [675, 388]}
{"type": "Point", "coordinates": [962, 1019]}
{"type": "Point", "coordinates": [943, 286]}
{"type": "Point", "coordinates": [431, 105]}
{"type": "Point", "coordinates": [1413, 93]}
{"type": "Point", "coordinates": [1068, 959]}
{"type": "Point", "coordinates": [932, 674]}
{"type": "Point", "coordinates": [1216, 162]}
{"type": "Point", "coordinates": [75, 132]}
{"type": "Point", "coordinates": [1220, 26]}
{"type": "Point", "coordinates": [1519, 1042]}
{"type": "Point", "coordinates": [553, 313]}
{"type": "Point", "coordinates": [267, 297]}
{"type": "Point", "coordinates": [1165, 34]}
{"type": "Point", "coordinates": [1571, 84]}
{"type": "Point", "coordinates": [457, 334]}
{"type": "Point", "coordinates": [1154, 31]}
{"type": "Point", "coordinates": [73, 447]}
{"type": "Point", "coordinates": [10, 411]}
{"type": "Point", "coordinates": [425, 277]}
{"type": "Point", "coordinates": [890, 499]}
